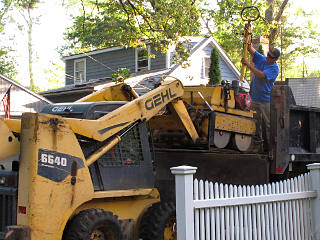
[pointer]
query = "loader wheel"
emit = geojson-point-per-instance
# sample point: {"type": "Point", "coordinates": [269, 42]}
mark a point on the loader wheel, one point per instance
{"type": "Point", "coordinates": [159, 222]}
{"type": "Point", "coordinates": [94, 224]}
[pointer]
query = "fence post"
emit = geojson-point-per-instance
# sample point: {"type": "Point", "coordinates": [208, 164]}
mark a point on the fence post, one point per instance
{"type": "Point", "coordinates": [315, 202]}
{"type": "Point", "coordinates": [184, 201]}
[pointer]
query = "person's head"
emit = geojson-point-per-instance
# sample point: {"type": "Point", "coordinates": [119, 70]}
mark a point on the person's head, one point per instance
{"type": "Point", "coordinates": [273, 56]}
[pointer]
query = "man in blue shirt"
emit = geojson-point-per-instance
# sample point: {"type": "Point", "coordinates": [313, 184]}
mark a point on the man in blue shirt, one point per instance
{"type": "Point", "coordinates": [265, 72]}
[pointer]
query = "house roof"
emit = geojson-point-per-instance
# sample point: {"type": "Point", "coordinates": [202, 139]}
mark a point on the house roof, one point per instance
{"type": "Point", "coordinates": [85, 54]}
{"type": "Point", "coordinates": [25, 89]}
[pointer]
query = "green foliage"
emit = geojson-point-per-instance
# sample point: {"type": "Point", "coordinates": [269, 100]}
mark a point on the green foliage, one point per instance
{"type": "Point", "coordinates": [224, 23]}
{"type": "Point", "coordinates": [214, 70]}
{"type": "Point", "coordinates": [121, 74]}
{"type": "Point", "coordinates": [315, 73]}
{"type": "Point", "coordinates": [133, 23]}
{"type": "Point", "coordinates": [27, 4]}
{"type": "Point", "coordinates": [260, 49]}
{"type": "Point", "coordinates": [7, 64]}
{"type": "Point", "coordinates": [5, 6]}
{"type": "Point", "coordinates": [297, 41]}
{"type": "Point", "coordinates": [55, 76]}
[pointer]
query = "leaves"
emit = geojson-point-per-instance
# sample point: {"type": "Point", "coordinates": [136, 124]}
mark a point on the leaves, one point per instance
{"type": "Point", "coordinates": [294, 38]}
{"type": "Point", "coordinates": [121, 74]}
{"type": "Point", "coordinates": [214, 70]}
{"type": "Point", "coordinates": [27, 4]}
{"type": "Point", "coordinates": [132, 23]}
{"type": "Point", "coordinates": [7, 64]}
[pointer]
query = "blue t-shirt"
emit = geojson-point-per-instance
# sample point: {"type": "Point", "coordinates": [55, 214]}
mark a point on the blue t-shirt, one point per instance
{"type": "Point", "coordinates": [260, 88]}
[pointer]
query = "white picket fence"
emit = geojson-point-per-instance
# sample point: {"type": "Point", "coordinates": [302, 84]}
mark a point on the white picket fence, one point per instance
{"type": "Point", "coordinates": [286, 210]}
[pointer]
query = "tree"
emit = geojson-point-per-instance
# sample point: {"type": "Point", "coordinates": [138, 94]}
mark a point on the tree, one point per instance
{"type": "Point", "coordinates": [7, 63]}
{"type": "Point", "coordinates": [214, 70]}
{"type": "Point", "coordinates": [224, 23]}
{"type": "Point", "coordinates": [133, 23]}
{"type": "Point", "coordinates": [26, 7]}
{"type": "Point", "coordinates": [297, 41]}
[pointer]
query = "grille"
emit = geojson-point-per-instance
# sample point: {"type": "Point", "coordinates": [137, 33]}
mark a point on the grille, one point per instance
{"type": "Point", "coordinates": [8, 208]}
{"type": "Point", "coordinates": [127, 152]}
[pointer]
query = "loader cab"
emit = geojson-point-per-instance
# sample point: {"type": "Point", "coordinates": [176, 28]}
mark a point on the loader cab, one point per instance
{"type": "Point", "coordinates": [128, 165]}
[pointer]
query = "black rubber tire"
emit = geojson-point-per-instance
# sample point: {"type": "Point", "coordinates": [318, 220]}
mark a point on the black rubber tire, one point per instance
{"type": "Point", "coordinates": [83, 226]}
{"type": "Point", "coordinates": [159, 222]}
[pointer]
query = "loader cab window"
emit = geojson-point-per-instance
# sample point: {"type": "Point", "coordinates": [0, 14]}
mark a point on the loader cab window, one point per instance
{"type": "Point", "coordinates": [142, 59]}
{"type": "Point", "coordinates": [79, 71]}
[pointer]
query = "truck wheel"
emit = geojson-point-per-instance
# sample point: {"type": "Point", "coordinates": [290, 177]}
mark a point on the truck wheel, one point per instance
{"type": "Point", "coordinates": [159, 222]}
{"type": "Point", "coordinates": [93, 224]}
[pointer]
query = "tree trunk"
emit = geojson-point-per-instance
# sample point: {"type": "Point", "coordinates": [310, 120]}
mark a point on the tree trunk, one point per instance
{"type": "Point", "coordinates": [274, 31]}
{"type": "Point", "coordinates": [30, 50]}
{"type": "Point", "coordinates": [269, 12]}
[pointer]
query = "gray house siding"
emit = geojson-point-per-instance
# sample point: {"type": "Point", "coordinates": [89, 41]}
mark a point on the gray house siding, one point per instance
{"type": "Point", "coordinates": [69, 72]}
{"type": "Point", "coordinates": [226, 73]}
{"type": "Point", "coordinates": [107, 63]}
{"type": "Point", "coordinates": [159, 62]}
{"type": "Point", "coordinates": [104, 64]}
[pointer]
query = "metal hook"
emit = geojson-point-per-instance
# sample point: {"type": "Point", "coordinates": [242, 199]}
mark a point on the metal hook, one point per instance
{"type": "Point", "coordinates": [250, 18]}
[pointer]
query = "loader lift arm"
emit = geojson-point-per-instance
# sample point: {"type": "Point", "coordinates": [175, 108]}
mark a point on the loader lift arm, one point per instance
{"type": "Point", "coordinates": [142, 108]}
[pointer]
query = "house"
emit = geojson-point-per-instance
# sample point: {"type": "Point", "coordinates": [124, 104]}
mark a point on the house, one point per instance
{"type": "Point", "coordinates": [21, 98]}
{"type": "Point", "coordinates": [89, 71]}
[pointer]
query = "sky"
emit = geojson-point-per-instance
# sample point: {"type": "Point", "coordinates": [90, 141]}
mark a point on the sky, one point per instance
{"type": "Point", "coordinates": [48, 37]}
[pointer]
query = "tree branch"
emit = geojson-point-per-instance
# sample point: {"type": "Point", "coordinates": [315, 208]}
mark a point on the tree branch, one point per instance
{"type": "Point", "coordinates": [142, 15]}
{"type": "Point", "coordinates": [5, 12]}
{"type": "Point", "coordinates": [124, 8]}
{"type": "Point", "coordinates": [274, 31]}
{"type": "Point", "coordinates": [283, 5]}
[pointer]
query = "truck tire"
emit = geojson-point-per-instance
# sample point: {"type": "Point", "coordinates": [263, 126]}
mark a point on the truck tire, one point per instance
{"type": "Point", "coordinates": [93, 224]}
{"type": "Point", "coordinates": [159, 222]}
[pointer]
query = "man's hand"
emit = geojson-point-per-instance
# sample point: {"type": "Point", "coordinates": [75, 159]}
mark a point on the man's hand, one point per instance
{"type": "Point", "coordinates": [252, 68]}
{"type": "Point", "coordinates": [245, 61]}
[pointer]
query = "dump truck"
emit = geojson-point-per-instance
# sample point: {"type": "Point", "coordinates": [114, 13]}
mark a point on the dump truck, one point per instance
{"type": "Point", "coordinates": [97, 168]}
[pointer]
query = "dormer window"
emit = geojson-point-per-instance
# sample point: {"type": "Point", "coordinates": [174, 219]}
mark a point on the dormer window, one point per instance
{"type": "Point", "coordinates": [207, 62]}
{"type": "Point", "coordinates": [80, 71]}
{"type": "Point", "coordinates": [142, 59]}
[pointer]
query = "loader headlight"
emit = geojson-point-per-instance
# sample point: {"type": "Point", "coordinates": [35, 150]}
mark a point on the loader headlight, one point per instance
{"type": "Point", "coordinates": [2, 180]}
{"type": "Point", "coordinates": [8, 180]}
